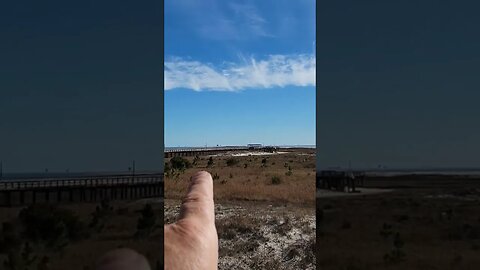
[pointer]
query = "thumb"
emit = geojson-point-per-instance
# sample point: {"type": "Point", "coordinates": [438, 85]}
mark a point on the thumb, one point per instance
{"type": "Point", "coordinates": [198, 205]}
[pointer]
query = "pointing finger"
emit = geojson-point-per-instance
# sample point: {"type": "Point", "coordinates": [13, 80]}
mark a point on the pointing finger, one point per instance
{"type": "Point", "coordinates": [198, 204]}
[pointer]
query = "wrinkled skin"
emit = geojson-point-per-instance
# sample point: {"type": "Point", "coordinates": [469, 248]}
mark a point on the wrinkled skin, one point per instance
{"type": "Point", "coordinates": [190, 243]}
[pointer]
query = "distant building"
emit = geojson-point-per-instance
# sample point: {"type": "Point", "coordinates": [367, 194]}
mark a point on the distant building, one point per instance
{"type": "Point", "coordinates": [254, 146]}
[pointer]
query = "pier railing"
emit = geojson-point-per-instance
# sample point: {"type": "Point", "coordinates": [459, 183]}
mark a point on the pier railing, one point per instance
{"type": "Point", "coordinates": [89, 181]}
{"type": "Point", "coordinates": [15, 192]}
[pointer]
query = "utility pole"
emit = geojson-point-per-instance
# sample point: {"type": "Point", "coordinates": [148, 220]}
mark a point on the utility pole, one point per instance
{"type": "Point", "coordinates": [133, 168]}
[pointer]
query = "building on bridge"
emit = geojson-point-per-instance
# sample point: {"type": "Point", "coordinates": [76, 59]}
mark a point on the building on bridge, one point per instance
{"type": "Point", "coordinates": [254, 146]}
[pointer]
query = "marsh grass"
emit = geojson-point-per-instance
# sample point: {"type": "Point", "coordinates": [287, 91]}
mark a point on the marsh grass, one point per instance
{"type": "Point", "coordinates": [256, 180]}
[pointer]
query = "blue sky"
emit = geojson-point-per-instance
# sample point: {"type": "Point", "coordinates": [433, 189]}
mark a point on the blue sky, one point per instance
{"type": "Point", "coordinates": [239, 72]}
{"type": "Point", "coordinates": [80, 86]}
{"type": "Point", "coordinates": [399, 84]}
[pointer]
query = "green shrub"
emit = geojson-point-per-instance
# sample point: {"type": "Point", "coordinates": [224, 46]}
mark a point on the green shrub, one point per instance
{"type": "Point", "coordinates": [276, 180]}
{"type": "Point", "coordinates": [386, 230]}
{"type": "Point", "coordinates": [146, 222]}
{"type": "Point", "coordinates": [179, 163]}
{"type": "Point", "coordinates": [195, 160]}
{"type": "Point", "coordinates": [210, 162]}
{"type": "Point", "coordinates": [9, 237]}
{"type": "Point", "coordinates": [264, 161]}
{"type": "Point", "coordinates": [232, 161]}
{"type": "Point", "coordinates": [167, 167]}
{"type": "Point", "coordinates": [100, 216]}
{"type": "Point", "coordinates": [54, 227]}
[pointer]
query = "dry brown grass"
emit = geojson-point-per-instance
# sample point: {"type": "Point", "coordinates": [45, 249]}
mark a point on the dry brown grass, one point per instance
{"type": "Point", "coordinates": [254, 182]}
{"type": "Point", "coordinates": [437, 232]}
{"type": "Point", "coordinates": [118, 232]}
{"type": "Point", "coordinates": [263, 209]}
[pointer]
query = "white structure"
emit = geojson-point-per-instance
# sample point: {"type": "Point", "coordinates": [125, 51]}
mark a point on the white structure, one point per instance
{"type": "Point", "coordinates": [254, 145]}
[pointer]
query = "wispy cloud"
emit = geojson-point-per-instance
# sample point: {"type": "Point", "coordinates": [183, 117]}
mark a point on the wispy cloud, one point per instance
{"type": "Point", "coordinates": [274, 71]}
{"type": "Point", "coordinates": [248, 15]}
{"type": "Point", "coordinates": [222, 20]}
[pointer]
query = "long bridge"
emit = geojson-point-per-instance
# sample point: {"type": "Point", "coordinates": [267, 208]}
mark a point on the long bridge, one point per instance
{"type": "Point", "coordinates": [190, 152]}
{"type": "Point", "coordinates": [14, 192]}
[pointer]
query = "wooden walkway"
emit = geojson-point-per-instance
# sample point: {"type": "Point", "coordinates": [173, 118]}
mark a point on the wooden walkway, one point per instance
{"type": "Point", "coordinates": [15, 192]}
{"type": "Point", "coordinates": [340, 180]}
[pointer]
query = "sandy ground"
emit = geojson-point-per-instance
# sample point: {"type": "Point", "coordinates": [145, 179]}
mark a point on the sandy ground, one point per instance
{"type": "Point", "coordinates": [247, 154]}
{"type": "Point", "coordinates": [265, 207]}
{"type": "Point", "coordinates": [261, 236]}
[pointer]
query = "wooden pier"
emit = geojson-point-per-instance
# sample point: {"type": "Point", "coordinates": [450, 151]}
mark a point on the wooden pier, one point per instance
{"type": "Point", "coordinates": [340, 180]}
{"type": "Point", "coordinates": [16, 192]}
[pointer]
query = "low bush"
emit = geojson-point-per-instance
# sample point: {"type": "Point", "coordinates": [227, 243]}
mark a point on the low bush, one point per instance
{"type": "Point", "coordinates": [179, 163]}
{"type": "Point", "coordinates": [210, 162]}
{"type": "Point", "coordinates": [54, 227]}
{"type": "Point", "coordinates": [232, 162]}
{"type": "Point", "coordinates": [275, 180]}
{"type": "Point", "coordinates": [146, 222]}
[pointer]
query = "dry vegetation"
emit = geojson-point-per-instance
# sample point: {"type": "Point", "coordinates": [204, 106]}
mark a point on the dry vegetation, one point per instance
{"type": "Point", "coordinates": [425, 223]}
{"type": "Point", "coordinates": [288, 177]}
{"type": "Point", "coordinates": [265, 214]}
{"type": "Point", "coordinates": [78, 245]}
{"type": "Point", "coordinates": [261, 236]}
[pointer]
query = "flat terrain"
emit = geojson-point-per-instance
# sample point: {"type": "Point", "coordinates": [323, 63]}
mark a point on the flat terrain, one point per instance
{"type": "Point", "coordinates": [265, 213]}
{"type": "Point", "coordinates": [261, 236]}
{"type": "Point", "coordinates": [117, 227]}
{"type": "Point", "coordinates": [422, 222]}
{"type": "Point", "coordinates": [250, 178]}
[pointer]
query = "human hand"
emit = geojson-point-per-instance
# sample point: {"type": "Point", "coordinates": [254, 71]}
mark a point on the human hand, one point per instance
{"type": "Point", "coordinates": [192, 242]}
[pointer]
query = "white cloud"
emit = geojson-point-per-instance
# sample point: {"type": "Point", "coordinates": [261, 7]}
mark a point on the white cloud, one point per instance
{"type": "Point", "coordinates": [249, 16]}
{"type": "Point", "coordinates": [221, 20]}
{"type": "Point", "coordinates": [274, 71]}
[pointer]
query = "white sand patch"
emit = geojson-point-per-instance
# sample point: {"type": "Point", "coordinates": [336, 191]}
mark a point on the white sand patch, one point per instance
{"type": "Point", "coordinates": [278, 245]}
{"type": "Point", "coordinates": [246, 154]}
{"type": "Point", "coordinates": [306, 154]}
{"type": "Point", "coordinates": [284, 235]}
